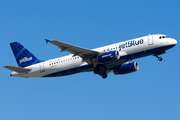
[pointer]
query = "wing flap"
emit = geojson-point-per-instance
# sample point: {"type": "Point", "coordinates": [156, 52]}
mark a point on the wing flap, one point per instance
{"type": "Point", "coordinates": [17, 69]}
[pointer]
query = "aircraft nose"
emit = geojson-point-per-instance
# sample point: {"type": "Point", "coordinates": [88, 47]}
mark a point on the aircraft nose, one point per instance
{"type": "Point", "coordinates": [174, 41]}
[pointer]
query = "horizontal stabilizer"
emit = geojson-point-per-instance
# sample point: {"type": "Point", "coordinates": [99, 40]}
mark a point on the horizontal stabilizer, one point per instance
{"type": "Point", "coordinates": [17, 69]}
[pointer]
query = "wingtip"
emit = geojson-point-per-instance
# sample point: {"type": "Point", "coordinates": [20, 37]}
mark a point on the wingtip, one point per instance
{"type": "Point", "coordinates": [46, 40]}
{"type": "Point", "coordinates": [5, 66]}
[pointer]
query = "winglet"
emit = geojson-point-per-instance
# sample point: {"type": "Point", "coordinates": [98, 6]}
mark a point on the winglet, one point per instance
{"type": "Point", "coordinates": [46, 40]}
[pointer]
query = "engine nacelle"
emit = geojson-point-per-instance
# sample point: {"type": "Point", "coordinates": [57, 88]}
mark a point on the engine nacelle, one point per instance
{"type": "Point", "coordinates": [127, 67]}
{"type": "Point", "coordinates": [108, 57]}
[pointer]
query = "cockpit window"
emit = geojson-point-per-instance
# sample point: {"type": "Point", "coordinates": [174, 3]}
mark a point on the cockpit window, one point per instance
{"type": "Point", "coordinates": [161, 37]}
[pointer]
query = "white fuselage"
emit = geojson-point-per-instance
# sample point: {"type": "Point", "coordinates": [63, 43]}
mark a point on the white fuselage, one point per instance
{"type": "Point", "coordinates": [133, 48]}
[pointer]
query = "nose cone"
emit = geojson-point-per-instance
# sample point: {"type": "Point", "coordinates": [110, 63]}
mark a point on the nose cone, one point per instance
{"type": "Point", "coordinates": [174, 42]}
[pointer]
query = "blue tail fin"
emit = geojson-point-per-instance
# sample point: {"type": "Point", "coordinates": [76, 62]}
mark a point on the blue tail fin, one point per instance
{"type": "Point", "coordinates": [23, 57]}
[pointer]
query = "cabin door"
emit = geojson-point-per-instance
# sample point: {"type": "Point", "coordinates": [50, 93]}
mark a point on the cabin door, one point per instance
{"type": "Point", "coordinates": [41, 67]}
{"type": "Point", "coordinates": [150, 40]}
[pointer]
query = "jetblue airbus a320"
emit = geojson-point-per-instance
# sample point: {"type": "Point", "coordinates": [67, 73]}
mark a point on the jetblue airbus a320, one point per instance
{"type": "Point", "coordinates": [116, 58]}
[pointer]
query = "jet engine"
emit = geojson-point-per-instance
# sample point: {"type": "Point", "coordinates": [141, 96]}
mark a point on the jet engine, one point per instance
{"type": "Point", "coordinates": [108, 57]}
{"type": "Point", "coordinates": [127, 67]}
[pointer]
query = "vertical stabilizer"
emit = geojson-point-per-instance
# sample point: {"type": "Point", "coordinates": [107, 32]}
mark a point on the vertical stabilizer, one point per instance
{"type": "Point", "coordinates": [23, 57]}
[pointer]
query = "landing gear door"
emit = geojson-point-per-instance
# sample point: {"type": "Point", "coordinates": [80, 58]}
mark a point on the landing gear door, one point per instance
{"type": "Point", "coordinates": [150, 40]}
{"type": "Point", "coordinates": [41, 67]}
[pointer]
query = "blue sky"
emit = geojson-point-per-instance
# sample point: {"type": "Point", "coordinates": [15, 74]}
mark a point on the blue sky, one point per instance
{"type": "Point", "coordinates": [153, 92]}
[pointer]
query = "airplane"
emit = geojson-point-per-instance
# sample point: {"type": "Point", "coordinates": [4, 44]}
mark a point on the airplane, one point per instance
{"type": "Point", "coordinates": [116, 58]}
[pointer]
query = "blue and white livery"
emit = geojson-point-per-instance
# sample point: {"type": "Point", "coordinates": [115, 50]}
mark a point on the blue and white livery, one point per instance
{"type": "Point", "coordinates": [116, 58]}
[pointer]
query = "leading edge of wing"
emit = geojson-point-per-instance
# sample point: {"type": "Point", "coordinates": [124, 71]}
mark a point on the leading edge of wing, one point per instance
{"type": "Point", "coordinates": [77, 51]}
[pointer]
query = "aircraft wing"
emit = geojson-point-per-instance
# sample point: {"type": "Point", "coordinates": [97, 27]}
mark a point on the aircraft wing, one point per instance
{"type": "Point", "coordinates": [17, 69]}
{"type": "Point", "coordinates": [84, 53]}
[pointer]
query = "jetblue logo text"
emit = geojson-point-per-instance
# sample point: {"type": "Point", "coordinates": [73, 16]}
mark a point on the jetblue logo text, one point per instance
{"type": "Point", "coordinates": [25, 59]}
{"type": "Point", "coordinates": [130, 44]}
